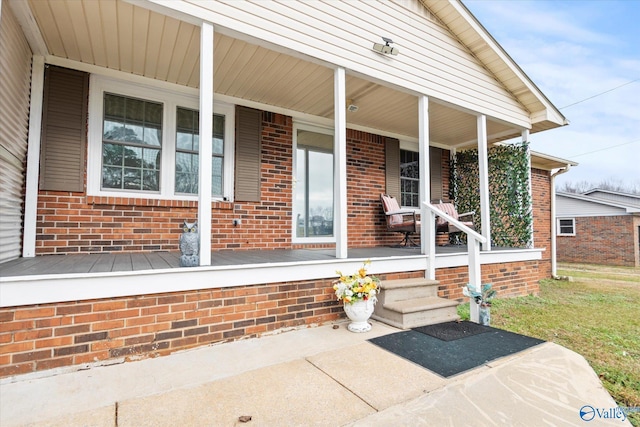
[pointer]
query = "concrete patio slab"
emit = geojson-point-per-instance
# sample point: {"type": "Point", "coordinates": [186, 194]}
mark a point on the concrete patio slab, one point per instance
{"type": "Point", "coordinates": [546, 385]}
{"type": "Point", "coordinates": [100, 417]}
{"type": "Point", "coordinates": [289, 394]}
{"type": "Point", "coordinates": [366, 370]}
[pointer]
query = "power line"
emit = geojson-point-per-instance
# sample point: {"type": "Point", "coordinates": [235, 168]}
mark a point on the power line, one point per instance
{"type": "Point", "coordinates": [599, 94]}
{"type": "Point", "coordinates": [606, 148]}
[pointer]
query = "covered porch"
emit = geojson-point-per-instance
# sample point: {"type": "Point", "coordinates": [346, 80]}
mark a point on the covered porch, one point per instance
{"type": "Point", "coordinates": [217, 67]}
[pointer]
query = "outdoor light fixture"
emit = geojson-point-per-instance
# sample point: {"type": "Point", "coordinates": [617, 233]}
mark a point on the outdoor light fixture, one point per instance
{"type": "Point", "coordinates": [385, 48]}
{"type": "Point", "coordinates": [351, 106]}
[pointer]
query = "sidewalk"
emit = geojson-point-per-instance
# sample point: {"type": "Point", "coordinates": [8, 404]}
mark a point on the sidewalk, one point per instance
{"type": "Point", "coordinates": [309, 377]}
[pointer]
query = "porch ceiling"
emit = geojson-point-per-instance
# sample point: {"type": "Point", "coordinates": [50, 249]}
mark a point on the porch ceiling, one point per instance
{"type": "Point", "coordinates": [121, 36]}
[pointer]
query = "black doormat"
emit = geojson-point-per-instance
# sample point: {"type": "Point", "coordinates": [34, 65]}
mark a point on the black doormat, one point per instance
{"type": "Point", "coordinates": [450, 331]}
{"type": "Point", "coordinates": [448, 358]}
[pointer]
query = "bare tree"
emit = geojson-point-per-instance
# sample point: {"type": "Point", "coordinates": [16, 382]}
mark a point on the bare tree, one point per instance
{"type": "Point", "coordinates": [606, 184]}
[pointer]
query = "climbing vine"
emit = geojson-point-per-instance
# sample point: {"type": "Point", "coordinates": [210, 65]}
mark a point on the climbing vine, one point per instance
{"type": "Point", "coordinates": [509, 196]}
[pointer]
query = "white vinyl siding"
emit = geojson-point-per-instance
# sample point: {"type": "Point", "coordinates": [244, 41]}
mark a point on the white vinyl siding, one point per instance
{"type": "Point", "coordinates": [431, 60]}
{"type": "Point", "coordinates": [15, 69]}
{"type": "Point", "coordinates": [571, 207]}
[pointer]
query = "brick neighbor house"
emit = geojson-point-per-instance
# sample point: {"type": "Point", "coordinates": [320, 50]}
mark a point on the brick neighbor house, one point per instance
{"type": "Point", "coordinates": [275, 125]}
{"type": "Point", "coordinates": [598, 227]}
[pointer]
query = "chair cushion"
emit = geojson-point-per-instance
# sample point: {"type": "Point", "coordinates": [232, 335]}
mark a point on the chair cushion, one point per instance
{"type": "Point", "coordinates": [449, 209]}
{"type": "Point", "coordinates": [390, 204]}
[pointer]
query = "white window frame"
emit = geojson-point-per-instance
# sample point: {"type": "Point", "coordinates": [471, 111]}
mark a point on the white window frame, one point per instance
{"type": "Point", "coordinates": [573, 227]}
{"type": "Point", "coordinates": [325, 131]}
{"type": "Point", "coordinates": [170, 100]}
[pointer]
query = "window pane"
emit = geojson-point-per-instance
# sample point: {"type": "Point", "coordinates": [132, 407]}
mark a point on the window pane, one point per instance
{"type": "Point", "coordinates": [112, 154]}
{"type": "Point", "coordinates": [216, 176]}
{"type": "Point", "coordinates": [133, 156]}
{"type": "Point", "coordinates": [184, 119]}
{"type": "Point", "coordinates": [184, 141]}
{"type": "Point", "coordinates": [111, 177]}
{"type": "Point", "coordinates": [153, 113]}
{"type": "Point", "coordinates": [186, 173]}
{"type": "Point", "coordinates": [134, 110]}
{"type": "Point", "coordinates": [150, 180]}
{"type": "Point", "coordinates": [218, 126]}
{"type": "Point", "coordinates": [114, 131]}
{"type": "Point", "coordinates": [218, 146]}
{"type": "Point", "coordinates": [114, 106]}
{"type": "Point", "coordinates": [132, 179]}
{"type": "Point", "coordinates": [152, 136]}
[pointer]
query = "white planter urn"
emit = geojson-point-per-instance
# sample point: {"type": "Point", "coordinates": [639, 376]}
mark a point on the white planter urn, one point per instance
{"type": "Point", "coordinates": [359, 313]}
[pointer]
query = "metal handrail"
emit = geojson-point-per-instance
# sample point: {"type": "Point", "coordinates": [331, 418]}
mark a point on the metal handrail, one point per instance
{"type": "Point", "coordinates": [474, 240]}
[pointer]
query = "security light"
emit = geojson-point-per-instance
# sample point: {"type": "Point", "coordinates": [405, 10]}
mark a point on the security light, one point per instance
{"type": "Point", "coordinates": [385, 48]}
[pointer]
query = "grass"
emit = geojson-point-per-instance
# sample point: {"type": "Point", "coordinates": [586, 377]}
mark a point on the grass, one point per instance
{"type": "Point", "coordinates": [595, 315]}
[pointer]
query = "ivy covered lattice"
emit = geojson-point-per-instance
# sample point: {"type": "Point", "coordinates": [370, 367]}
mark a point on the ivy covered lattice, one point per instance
{"type": "Point", "coordinates": [509, 195]}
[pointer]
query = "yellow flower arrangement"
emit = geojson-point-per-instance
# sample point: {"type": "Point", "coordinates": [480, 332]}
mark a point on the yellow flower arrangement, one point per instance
{"type": "Point", "coordinates": [358, 287]}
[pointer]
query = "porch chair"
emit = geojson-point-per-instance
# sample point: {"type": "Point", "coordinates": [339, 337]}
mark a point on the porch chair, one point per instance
{"type": "Point", "coordinates": [398, 220]}
{"type": "Point", "coordinates": [442, 225]}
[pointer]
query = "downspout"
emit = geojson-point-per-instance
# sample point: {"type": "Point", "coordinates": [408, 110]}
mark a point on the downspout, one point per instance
{"type": "Point", "coordinates": [553, 219]}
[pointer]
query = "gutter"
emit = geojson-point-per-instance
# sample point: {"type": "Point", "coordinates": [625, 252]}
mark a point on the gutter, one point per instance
{"type": "Point", "coordinates": [553, 219]}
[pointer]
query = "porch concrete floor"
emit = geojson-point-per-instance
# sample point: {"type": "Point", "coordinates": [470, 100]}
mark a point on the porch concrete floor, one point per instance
{"type": "Point", "coordinates": [104, 263]}
{"type": "Point", "coordinates": [317, 376]}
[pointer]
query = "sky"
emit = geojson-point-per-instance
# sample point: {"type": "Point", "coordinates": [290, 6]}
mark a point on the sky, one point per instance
{"type": "Point", "coordinates": [584, 55]}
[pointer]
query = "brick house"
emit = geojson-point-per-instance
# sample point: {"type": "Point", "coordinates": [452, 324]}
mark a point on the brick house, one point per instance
{"type": "Point", "coordinates": [104, 105]}
{"type": "Point", "coordinates": [598, 227]}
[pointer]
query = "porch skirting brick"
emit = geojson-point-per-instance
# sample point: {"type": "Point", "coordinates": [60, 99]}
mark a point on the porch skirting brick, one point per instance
{"type": "Point", "coordinates": [81, 333]}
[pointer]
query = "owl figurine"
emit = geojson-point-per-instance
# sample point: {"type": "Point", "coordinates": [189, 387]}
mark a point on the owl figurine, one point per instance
{"type": "Point", "coordinates": [189, 245]}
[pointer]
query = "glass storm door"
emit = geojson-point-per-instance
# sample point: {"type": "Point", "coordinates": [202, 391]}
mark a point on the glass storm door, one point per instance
{"type": "Point", "coordinates": [313, 207]}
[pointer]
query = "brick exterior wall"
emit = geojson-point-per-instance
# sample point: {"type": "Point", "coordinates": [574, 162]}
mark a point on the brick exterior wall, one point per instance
{"type": "Point", "coordinates": [541, 200]}
{"type": "Point", "coordinates": [77, 223]}
{"type": "Point", "coordinates": [510, 280]}
{"type": "Point", "coordinates": [48, 336]}
{"type": "Point", "coordinates": [607, 240]}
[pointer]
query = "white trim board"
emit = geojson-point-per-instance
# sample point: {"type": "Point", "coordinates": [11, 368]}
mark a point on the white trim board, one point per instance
{"type": "Point", "coordinates": [44, 289]}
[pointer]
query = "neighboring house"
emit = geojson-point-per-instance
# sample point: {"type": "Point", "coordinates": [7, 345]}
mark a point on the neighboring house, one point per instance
{"type": "Point", "coordinates": [598, 227]}
{"type": "Point", "coordinates": [103, 106]}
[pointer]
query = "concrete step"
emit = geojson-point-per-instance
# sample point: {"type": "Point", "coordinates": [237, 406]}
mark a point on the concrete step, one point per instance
{"type": "Point", "coordinates": [416, 312]}
{"type": "Point", "coordinates": [404, 289]}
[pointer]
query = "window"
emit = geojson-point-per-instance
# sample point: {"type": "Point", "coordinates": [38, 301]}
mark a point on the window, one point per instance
{"type": "Point", "coordinates": [313, 204]}
{"type": "Point", "coordinates": [144, 142]}
{"type": "Point", "coordinates": [409, 178]}
{"type": "Point", "coordinates": [566, 227]}
{"type": "Point", "coordinates": [187, 148]}
{"type": "Point", "coordinates": [131, 143]}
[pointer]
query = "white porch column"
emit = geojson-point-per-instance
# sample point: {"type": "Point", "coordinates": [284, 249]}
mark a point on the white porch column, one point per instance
{"type": "Point", "coordinates": [206, 137]}
{"type": "Point", "coordinates": [340, 162]}
{"type": "Point", "coordinates": [33, 157]}
{"type": "Point", "coordinates": [427, 217]}
{"type": "Point", "coordinates": [525, 139]}
{"type": "Point", "coordinates": [483, 168]}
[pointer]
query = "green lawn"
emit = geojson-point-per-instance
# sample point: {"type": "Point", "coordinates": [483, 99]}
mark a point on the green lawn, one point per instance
{"type": "Point", "coordinates": [597, 315]}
